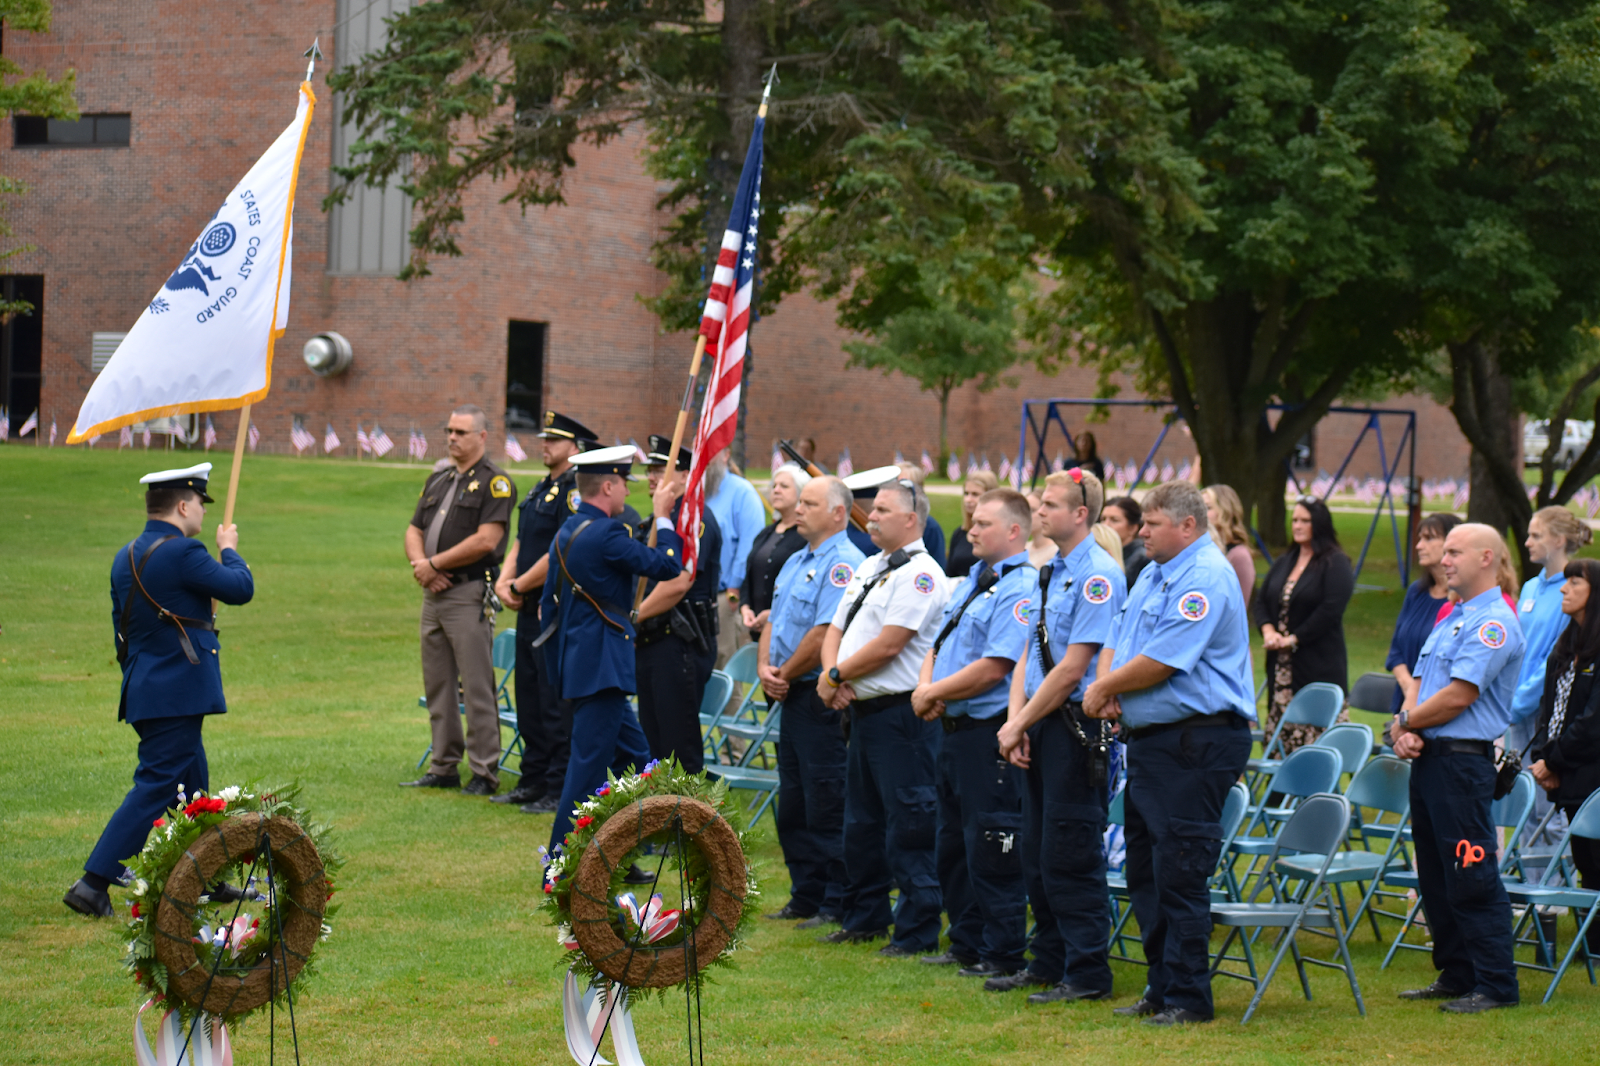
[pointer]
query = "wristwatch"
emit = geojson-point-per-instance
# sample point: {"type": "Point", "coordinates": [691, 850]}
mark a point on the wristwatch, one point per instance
{"type": "Point", "coordinates": [833, 677]}
{"type": "Point", "coordinates": [1405, 720]}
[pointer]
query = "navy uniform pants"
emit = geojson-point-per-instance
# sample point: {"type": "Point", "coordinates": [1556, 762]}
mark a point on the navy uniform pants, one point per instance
{"type": "Point", "coordinates": [544, 719]}
{"type": "Point", "coordinates": [605, 736]}
{"type": "Point", "coordinates": [1469, 914]}
{"type": "Point", "coordinates": [810, 811]}
{"type": "Point", "coordinates": [979, 848]}
{"type": "Point", "coordinates": [170, 754]}
{"type": "Point", "coordinates": [1063, 855]}
{"type": "Point", "coordinates": [670, 691]}
{"type": "Point", "coordinates": [1178, 780]}
{"type": "Point", "coordinates": [890, 816]}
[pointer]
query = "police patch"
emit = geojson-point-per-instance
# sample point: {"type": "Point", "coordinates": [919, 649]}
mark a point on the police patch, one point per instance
{"type": "Point", "coordinates": [573, 499]}
{"type": "Point", "coordinates": [923, 583]}
{"type": "Point", "coordinates": [1097, 589]}
{"type": "Point", "coordinates": [1020, 611]}
{"type": "Point", "coordinates": [1493, 634]}
{"type": "Point", "coordinates": [500, 487]}
{"type": "Point", "coordinates": [840, 575]}
{"type": "Point", "coordinates": [1194, 606]}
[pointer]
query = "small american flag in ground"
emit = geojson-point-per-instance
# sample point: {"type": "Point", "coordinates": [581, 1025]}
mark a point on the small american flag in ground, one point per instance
{"type": "Point", "coordinates": [380, 441]}
{"type": "Point", "coordinates": [211, 433]}
{"type": "Point", "coordinates": [927, 462]}
{"type": "Point", "coordinates": [726, 327]}
{"type": "Point", "coordinates": [301, 439]}
{"type": "Point", "coordinates": [52, 433]}
{"type": "Point", "coordinates": [5, 426]}
{"type": "Point", "coordinates": [125, 438]}
{"type": "Point", "coordinates": [846, 467]}
{"type": "Point", "coordinates": [147, 439]}
{"type": "Point", "coordinates": [419, 445]}
{"type": "Point", "coordinates": [29, 426]}
{"type": "Point", "coordinates": [330, 439]}
{"type": "Point", "coordinates": [255, 436]}
{"type": "Point", "coordinates": [514, 450]}
{"type": "Point", "coordinates": [952, 469]}
{"type": "Point", "coordinates": [363, 443]}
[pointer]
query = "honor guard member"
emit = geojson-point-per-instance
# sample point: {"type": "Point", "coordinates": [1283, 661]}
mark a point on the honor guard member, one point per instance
{"type": "Point", "coordinates": [1064, 754]}
{"type": "Point", "coordinates": [677, 630]}
{"type": "Point", "coordinates": [1177, 674]}
{"type": "Point", "coordinates": [871, 657]}
{"type": "Point", "coordinates": [811, 747]}
{"type": "Point", "coordinates": [543, 722]}
{"type": "Point", "coordinates": [455, 542]}
{"type": "Point", "coordinates": [965, 688]}
{"type": "Point", "coordinates": [1468, 674]}
{"type": "Point", "coordinates": [864, 488]}
{"type": "Point", "coordinates": [162, 585]}
{"type": "Point", "coordinates": [588, 638]}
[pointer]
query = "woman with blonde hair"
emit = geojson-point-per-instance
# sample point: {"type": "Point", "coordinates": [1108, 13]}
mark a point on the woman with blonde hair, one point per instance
{"type": "Point", "coordinates": [1041, 549]}
{"type": "Point", "coordinates": [960, 557]}
{"type": "Point", "coordinates": [1555, 535]}
{"type": "Point", "coordinates": [1225, 513]}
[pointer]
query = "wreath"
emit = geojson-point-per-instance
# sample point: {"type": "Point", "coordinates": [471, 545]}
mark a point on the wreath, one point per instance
{"type": "Point", "coordinates": [196, 955]}
{"type": "Point", "coordinates": [697, 844]}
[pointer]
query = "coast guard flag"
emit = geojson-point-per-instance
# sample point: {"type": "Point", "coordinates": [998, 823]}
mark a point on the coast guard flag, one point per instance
{"type": "Point", "coordinates": [204, 342]}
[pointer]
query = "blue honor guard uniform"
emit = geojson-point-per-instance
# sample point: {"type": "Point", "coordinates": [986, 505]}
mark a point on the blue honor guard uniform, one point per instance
{"type": "Point", "coordinates": [162, 585]}
{"type": "Point", "coordinates": [588, 639]}
{"type": "Point", "coordinates": [1452, 788]}
{"type": "Point", "coordinates": [978, 849]}
{"type": "Point", "coordinates": [1067, 783]}
{"type": "Point", "coordinates": [1188, 741]}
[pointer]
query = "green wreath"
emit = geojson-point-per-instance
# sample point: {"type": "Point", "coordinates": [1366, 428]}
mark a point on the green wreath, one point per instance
{"type": "Point", "coordinates": [195, 955]}
{"type": "Point", "coordinates": [698, 843]}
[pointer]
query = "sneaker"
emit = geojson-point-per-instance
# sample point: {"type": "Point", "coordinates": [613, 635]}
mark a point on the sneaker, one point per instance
{"type": "Point", "coordinates": [1141, 1009]}
{"type": "Point", "coordinates": [850, 936]}
{"type": "Point", "coordinates": [1476, 1003]}
{"type": "Point", "coordinates": [1437, 990]}
{"type": "Point", "coordinates": [818, 920]}
{"type": "Point", "coordinates": [1065, 993]}
{"type": "Point", "coordinates": [1011, 982]}
{"type": "Point", "coordinates": [1176, 1016]}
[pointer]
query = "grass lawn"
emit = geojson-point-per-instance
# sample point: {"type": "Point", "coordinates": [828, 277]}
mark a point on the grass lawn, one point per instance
{"type": "Point", "coordinates": [437, 956]}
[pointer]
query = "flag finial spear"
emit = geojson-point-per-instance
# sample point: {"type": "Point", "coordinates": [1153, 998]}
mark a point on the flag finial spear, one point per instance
{"type": "Point", "coordinates": [770, 80]}
{"type": "Point", "coordinates": [313, 54]}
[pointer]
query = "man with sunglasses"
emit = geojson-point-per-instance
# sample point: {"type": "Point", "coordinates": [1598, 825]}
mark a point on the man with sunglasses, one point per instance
{"type": "Point", "coordinates": [455, 542]}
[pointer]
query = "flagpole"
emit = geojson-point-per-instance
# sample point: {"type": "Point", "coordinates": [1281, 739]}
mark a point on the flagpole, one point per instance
{"type": "Point", "coordinates": [238, 461]}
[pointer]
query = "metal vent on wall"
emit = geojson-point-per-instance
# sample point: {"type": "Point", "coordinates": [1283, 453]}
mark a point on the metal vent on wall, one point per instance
{"type": "Point", "coordinates": [104, 347]}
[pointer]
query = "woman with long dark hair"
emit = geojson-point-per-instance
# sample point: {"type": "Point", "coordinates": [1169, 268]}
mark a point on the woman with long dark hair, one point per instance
{"type": "Point", "coordinates": [1300, 611]}
{"type": "Point", "coordinates": [1419, 611]}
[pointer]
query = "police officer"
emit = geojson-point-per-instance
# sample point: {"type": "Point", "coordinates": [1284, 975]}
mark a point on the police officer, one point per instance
{"type": "Point", "coordinates": [588, 638]}
{"type": "Point", "coordinates": [162, 585]}
{"type": "Point", "coordinates": [543, 721]}
{"type": "Point", "coordinates": [677, 630]}
{"type": "Point", "coordinates": [1066, 756]}
{"type": "Point", "coordinates": [1468, 674]}
{"type": "Point", "coordinates": [455, 542]}
{"type": "Point", "coordinates": [964, 687]}
{"type": "Point", "coordinates": [1177, 675]}
{"type": "Point", "coordinates": [871, 658]}
{"type": "Point", "coordinates": [811, 748]}
{"type": "Point", "coordinates": [864, 488]}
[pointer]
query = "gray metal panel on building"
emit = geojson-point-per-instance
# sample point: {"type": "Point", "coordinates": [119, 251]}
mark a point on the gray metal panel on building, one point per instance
{"type": "Point", "coordinates": [366, 233]}
{"type": "Point", "coordinates": [102, 347]}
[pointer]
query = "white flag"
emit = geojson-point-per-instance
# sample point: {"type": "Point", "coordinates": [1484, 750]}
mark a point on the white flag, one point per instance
{"type": "Point", "coordinates": [205, 341]}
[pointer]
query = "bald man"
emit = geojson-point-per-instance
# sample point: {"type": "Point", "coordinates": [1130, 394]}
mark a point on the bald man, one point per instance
{"type": "Point", "coordinates": [1468, 672]}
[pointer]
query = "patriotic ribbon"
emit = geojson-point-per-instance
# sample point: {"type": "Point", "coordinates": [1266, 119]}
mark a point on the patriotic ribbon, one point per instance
{"type": "Point", "coordinates": [209, 1045]}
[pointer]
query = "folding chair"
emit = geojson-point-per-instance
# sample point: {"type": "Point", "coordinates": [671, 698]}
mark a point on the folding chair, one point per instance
{"type": "Point", "coordinates": [1316, 828]}
{"type": "Point", "coordinates": [1306, 772]}
{"type": "Point", "coordinates": [1585, 824]}
{"type": "Point", "coordinates": [504, 656]}
{"type": "Point", "coordinates": [1510, 812]}
{"type": "Point", "coordinates": [722, 727]}
{"type": "Point", "coordinates": [1353, 742]}
{"type": "Point", "coordinates": [1383, 785]}
{"type": "Point", "coordinates": [1374, 692]}
{"type": "Point", "coordinates": [764, 783]}
{"type": "Point", "coordinates": [1318, 704]}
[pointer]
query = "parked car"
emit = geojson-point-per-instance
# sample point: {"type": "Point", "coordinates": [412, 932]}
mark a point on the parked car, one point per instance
{"type": "Point", "coordinates": [1575, 438]}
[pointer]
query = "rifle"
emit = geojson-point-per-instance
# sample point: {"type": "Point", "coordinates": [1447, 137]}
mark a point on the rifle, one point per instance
{"type": "Point", "coordinates": [858, 513]}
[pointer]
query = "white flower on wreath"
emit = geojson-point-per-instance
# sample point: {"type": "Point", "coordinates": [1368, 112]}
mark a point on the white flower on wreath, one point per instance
{"type": "Point", "coordinates": [230, 793]}
{"type": "Point", "coordinates": [140, 887]}
{"type": "Point", "coordinates": [563, 934]}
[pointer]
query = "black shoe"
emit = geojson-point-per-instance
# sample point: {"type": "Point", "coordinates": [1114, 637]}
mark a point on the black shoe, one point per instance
{"type": "Point", "coordinates": [1065, 993]}
{"type": "Point", "coordinates": [547, 805]}
{"type": "Point", "coordinates": [480, 786]}
{"type": "Point", "coordinates": [520, 795]}
{"type": "Point", "coordinates": [1142, 1009]}
{"type": "Point", "coordinates": [1437, 990]}
{"type": "Point", "coordinates": [786, 915]}
{"type": "Point", "coordinates": [850, 936]}
{"type": "Point", "coordinates": [984, 969]}
{"type": "Point", "coordinates": [818, 920]}
{"type": "Point", "coordinates": [94, 902]}
{"type": "Point", "coordinates": [1176, 1016]}
{"type": "Point", "coordinates": [433, 781]}
{"type": "Point", "coordinates": [1476, 1003]}
{"type": "Point", "coordinates": [895, 951]}
{"type": "Point", "coordinates": [1011, 982]}
{"type": "Point", "coordinates": [949, 958]}
{"type": "Point", "coordinates": [637, 876]}
{"type": "Point", "coordinates": [222, 892]}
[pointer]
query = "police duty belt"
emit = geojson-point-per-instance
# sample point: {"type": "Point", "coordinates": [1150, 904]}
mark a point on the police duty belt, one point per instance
{"type": "Point", "coordinates": [161, 612]}
{"type": "Point", "coordinates": [561, 562]}
{"type": "Point", "coordinates": [1099, 749]}
{"type": "Point", "coordinates": [898, 558]}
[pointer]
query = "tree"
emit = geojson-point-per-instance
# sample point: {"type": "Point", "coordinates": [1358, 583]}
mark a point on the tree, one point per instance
{"type": "Point", "coordinates": [27, 94]}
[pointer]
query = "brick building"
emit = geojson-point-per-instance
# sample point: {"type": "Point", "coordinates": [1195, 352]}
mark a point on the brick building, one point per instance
{"type": "Point", "coordinates": [179, 99]}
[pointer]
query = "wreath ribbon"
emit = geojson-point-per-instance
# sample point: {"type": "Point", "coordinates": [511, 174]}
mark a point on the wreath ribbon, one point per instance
{"type": "Point", "coordinates": [209, 1046]}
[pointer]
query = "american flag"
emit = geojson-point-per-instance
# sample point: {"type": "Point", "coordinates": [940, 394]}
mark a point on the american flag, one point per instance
{"type": "Point", "coordinates": [330, 439]}
{"type": "Point", "coordinates": [777, 459]}
{"type": "Point", "coordinates": [363, 442]}
{"type": "Point", "coordinates": [419, 445]}
{"type": "Point", "coordinates": [846, 467]}
{"type": "Point", "coordinates": [52, 433]}
{"type": "Point", "coordinates": [725, 324]}
{"type": "Point", "coordinates": [952, 469]}
{"type": "Point", "coordinates": [1005, 467]}
{"type": "Point", "coordinates": [255, 436]}
{"type": "Point", "coordinates": [211, 433]}
{"type": "Point", "coordinates": [984, 466]}
{"type": "Point", "coordinates": [927, 462]}
{"type": "Point", "coordinates": [147, 440]}
{"type": "Point", "coordinates": [899, 457]}
{"type": "Point", "coordinates": [94, 438]}
{"type": "Point", "coordinates": [5, 425]}
{"type": "Point", "coordinates": [514, 450]}
{"type": "Point", "coordinates": [125, 438]}
{"type": "Point", "coordinates": [29, 426]}
{"type": "Point", "coordinates": [301, 438]}
{"type": "Point", "coordinates": [381, 444]}
{"type": "Point", "coordinates": [972, 464]}
{"type": "Point", "coordinates": [639, 453]}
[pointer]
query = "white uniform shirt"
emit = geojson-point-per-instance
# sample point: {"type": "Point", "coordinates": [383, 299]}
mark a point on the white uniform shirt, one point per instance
{"type": "Point", "coordinates": [912, 597]}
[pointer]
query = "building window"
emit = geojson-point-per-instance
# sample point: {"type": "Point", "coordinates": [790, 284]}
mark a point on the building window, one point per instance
{"type": "Point", "coordinates": [104, 346]}
{"type": "Point", "coordinates": [89, 131]}
{"type": "Point", "coordinates": [525, 374]}
{"type": "Point", "coordinates": [22, 346]}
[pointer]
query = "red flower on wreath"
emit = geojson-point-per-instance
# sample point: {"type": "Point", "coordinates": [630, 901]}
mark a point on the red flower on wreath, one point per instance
{"type": "Point", "coordinates": [585, 822]}
{"type": "Point", "coordinates": [548, 888]}
{"type": "Point", "coordinates": [136, 910]}
{"type": "Point", "coordinates": [205, 806]}
{"type": "Point", "coordinates": [159, 822]}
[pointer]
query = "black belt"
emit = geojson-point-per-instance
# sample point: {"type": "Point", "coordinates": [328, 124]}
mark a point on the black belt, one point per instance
{"type": "Point", "coordinates": [1194, 721]}
{"type": "Point", "coordinates": [862, 708]}
{"type": "Point", "coordinates": [962, 723]}
{"type": "Point", "coordinates": [1461, 747]}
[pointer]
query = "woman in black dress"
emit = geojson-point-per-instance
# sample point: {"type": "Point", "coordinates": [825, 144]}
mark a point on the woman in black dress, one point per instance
{"type": "Point", "coordinates": [771, 547]}
{"type": "Point", "coordinates": [959, 559]}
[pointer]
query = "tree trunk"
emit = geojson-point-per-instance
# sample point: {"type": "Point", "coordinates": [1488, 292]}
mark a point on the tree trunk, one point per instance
{"type": "Point", "coordinates": [944, 427]}
{"type": "Point", "coordinates": [1481, 402]}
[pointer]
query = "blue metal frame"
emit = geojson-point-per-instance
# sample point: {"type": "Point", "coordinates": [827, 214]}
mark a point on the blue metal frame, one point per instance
{"type": "Point", "coordinates": [1405, 448]}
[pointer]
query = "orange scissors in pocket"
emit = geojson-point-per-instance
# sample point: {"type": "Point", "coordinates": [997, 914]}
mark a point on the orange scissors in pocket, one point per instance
{"type": "Point", "coordinates": [1468, 853]}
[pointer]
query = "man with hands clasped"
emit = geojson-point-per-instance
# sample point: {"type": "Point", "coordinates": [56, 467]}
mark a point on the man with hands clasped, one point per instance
{"type": "Point", "coordinates": [1064, 753]}
{"type": "Point", "coordinates": [1467, 675]}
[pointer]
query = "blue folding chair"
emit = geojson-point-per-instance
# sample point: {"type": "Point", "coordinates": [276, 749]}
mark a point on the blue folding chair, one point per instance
{"type": "Point", "coordinates": [504, 655]}
{"type": "Point", "coordinates": [1353, 742]}
{"type": "Point", "coordinates": [1314, 830]}
{"type": "Point", "coordinates": [721, 727]}
{"type": "Point", "coordinates": [1318, 704]}
{"type": "Point", "coordinates": [762, 782]}
{"type": "Point", "coordinates": [1584, 824]}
